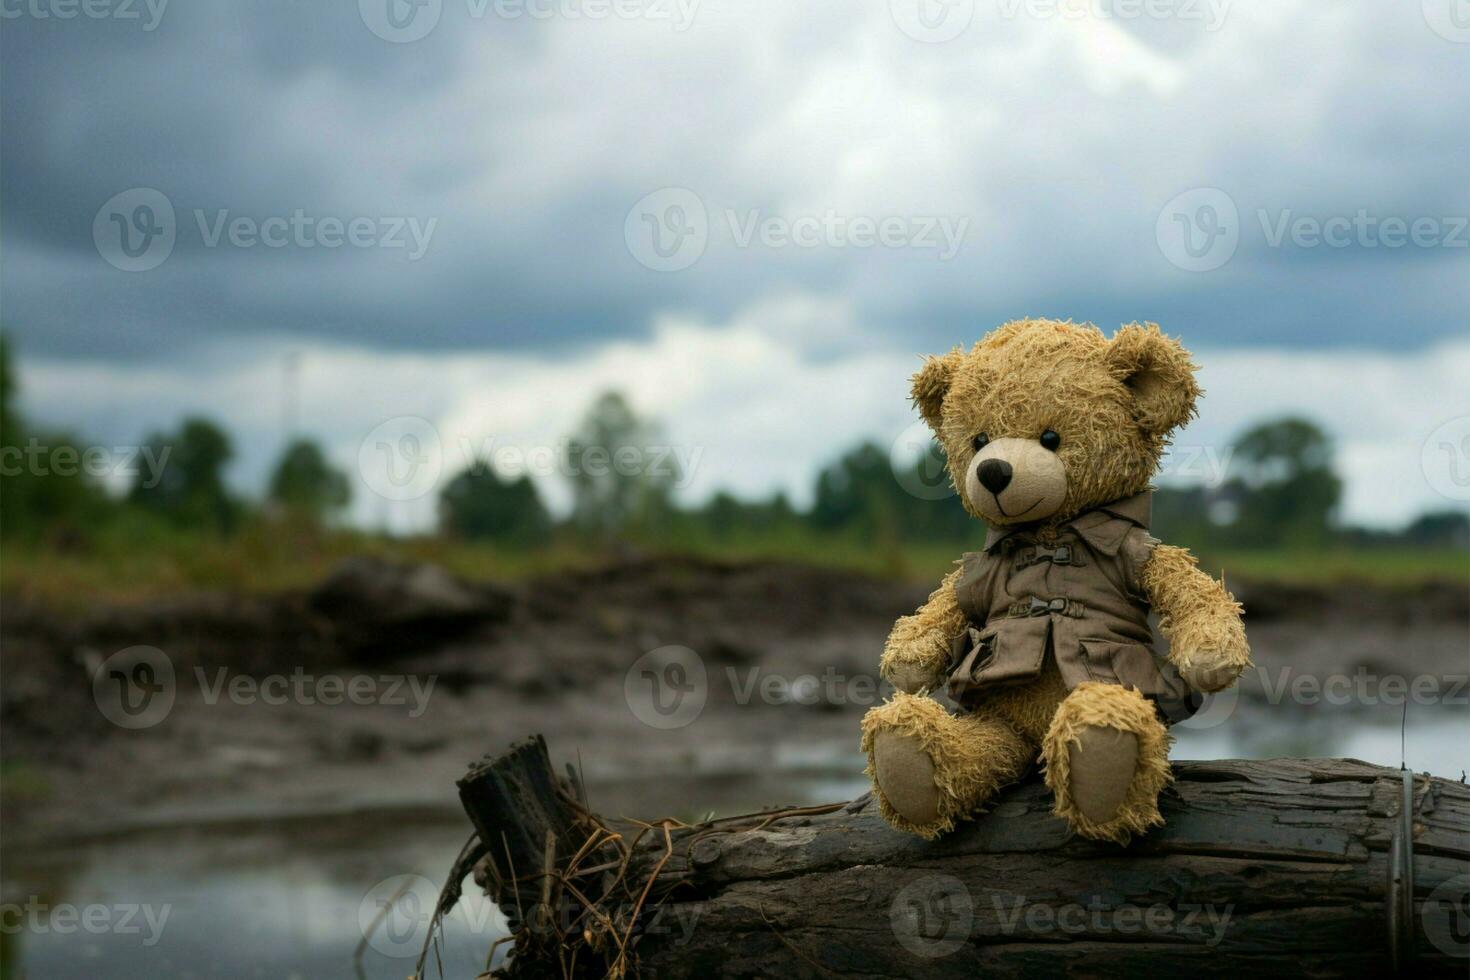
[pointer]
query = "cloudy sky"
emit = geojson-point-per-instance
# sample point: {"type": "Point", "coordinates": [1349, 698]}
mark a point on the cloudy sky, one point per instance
{"type": "Point", "coordinates": [461, 220]}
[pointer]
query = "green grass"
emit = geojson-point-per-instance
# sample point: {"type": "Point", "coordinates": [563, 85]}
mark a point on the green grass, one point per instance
{"type": "Point", "coordinates": [1391, 567]}
{"type": "Point", "coordinates": [131, 563]}
{"type": "Point", "coordinates": [20, 782]}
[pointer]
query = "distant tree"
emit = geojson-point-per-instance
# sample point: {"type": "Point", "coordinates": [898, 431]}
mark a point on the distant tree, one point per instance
{"type": "Point", "coordinates": [726, 517]}
{"type": "Point", "coordinates": [190, 489]}
{"type": "Point", "coordinates": [1440, 529]}
{"type": "Point", "coordinates": [864, 493]}
{"type": "Point", "coordinates": [936, 513]}
{"type": "Point", "coordinates": [10, 424]}
{"type": "Point", "coordinates": [857, 491]}
{"type": "Point", "coordinates": [478, 505]}
{"type": "Point", "coordinates": [44, 486]}
{"type": "Point", "coordinates": [305, 483]}
{"type": "Point", "coordinates": [1287, 490]}
{"type": "Point", "coordinates": [620, 480]}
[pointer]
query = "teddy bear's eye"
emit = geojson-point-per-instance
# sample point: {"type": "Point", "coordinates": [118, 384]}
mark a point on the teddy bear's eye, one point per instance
{"type": "Point", "coordinates": [1050, 440]}
{"type": "Point", "coordinates": [980, 442]}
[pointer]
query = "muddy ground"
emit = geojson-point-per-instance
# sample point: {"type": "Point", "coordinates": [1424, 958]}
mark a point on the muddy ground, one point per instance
{"type": "Point", "coordinates": [430, 672]}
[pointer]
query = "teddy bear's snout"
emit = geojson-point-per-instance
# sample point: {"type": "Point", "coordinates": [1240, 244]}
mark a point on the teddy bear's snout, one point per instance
{"type": "Point", "coordinates": [994, 475]}
{"type": "Point", "coordinates": [1013, 480]}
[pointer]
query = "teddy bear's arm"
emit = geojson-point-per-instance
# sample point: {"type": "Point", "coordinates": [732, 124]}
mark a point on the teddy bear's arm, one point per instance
{"type": "Point", "coordinates": [1201, 619]}
{"type": "Point", "coordinates": [917, 651]}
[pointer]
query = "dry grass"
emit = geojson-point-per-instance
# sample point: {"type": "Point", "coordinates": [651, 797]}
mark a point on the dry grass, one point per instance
{"type": "Point", "coordinates": [266, 558]}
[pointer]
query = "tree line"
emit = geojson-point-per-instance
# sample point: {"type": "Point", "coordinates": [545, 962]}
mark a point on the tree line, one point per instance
{"type": "Point", "coordinates": [1274, 488]}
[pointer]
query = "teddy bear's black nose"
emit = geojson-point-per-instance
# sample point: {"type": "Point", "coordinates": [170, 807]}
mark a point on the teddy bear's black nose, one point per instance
{"type": "Point", "coordinates": [995, 475]}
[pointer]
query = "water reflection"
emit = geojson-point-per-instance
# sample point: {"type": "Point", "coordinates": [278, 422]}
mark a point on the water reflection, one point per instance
{"type": "Point", "coordinates": [276, 900]}
{"type": "Point", "coordinates": [292, 899]}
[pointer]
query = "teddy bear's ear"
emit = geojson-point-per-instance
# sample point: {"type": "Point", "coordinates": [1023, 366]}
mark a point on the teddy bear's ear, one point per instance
{"type": "Point", "coordinates": [1158, 373]}
{"type": "Point", "coordinates": [932, 383]}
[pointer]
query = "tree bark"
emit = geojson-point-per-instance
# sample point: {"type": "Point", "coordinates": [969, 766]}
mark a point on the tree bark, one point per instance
{"type": "Point", "coordinates": [1288, 867]}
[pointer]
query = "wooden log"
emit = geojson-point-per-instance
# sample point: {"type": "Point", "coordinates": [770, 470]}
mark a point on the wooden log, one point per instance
{"type": "Point", "coordinates": [1288, 867]}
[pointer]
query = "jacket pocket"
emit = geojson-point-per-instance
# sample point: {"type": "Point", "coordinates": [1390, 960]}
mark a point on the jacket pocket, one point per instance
{"type": "Point", "coordinates": [1129, 664]}
{"type": "Point", "coordinates": [1134, 665]}
{"type": "Point", "coordinates": [1008, 652]}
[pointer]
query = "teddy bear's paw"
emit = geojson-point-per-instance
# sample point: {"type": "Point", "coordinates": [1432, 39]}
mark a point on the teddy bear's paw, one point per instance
{"type": "Point", "coordinates": [1103, 761]}
{"type": "Point", "coordinates": [912, 678]}
{"type": "Point", "coordinates": [1206, 674]}
{"type": "Point", "coordinates": [905, 775]}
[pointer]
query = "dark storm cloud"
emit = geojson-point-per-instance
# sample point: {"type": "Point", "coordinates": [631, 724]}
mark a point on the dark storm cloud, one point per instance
{"type": "Point", "coordinates": [261, 110]}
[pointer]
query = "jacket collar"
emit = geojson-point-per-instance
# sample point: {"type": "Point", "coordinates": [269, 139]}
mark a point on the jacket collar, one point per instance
{"type": "Point", "coordinates": [1103, 528]}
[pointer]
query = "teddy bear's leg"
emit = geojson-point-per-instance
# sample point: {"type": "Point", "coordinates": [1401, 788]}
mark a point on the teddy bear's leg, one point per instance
{"type": "Point", "coordinates": [1107, 757]}
{"type": "Point", "coordinates": [931, 768]}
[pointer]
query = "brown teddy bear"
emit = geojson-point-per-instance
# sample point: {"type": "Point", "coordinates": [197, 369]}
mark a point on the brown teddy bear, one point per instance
{"type": "Point", "coordinates": [1052, 432]}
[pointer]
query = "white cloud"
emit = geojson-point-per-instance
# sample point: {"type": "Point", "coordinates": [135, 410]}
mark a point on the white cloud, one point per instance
{"type": "Point", "coordinates": [744, 401]}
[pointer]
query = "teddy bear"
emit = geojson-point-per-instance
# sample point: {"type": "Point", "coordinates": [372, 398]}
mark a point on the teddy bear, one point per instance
{"type": "Point", "coordinates": [1052, 433]}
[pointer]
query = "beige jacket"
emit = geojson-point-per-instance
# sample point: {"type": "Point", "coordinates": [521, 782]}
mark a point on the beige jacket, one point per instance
{"type": "Point", "coordinates": [1077, 597]}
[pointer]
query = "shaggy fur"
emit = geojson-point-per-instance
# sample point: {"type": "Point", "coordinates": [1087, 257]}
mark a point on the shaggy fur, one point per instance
{"type": "Point", "coordinates": [917, 650]}
{"type": "Point", "coordinates": [1109, 706]}
{"type": "Point", "coordinates": [1114, 403]}
{"type": "Point", "coordinates": [974, 755]}
{"type": "Point", "coordinates": [1201, 619]}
